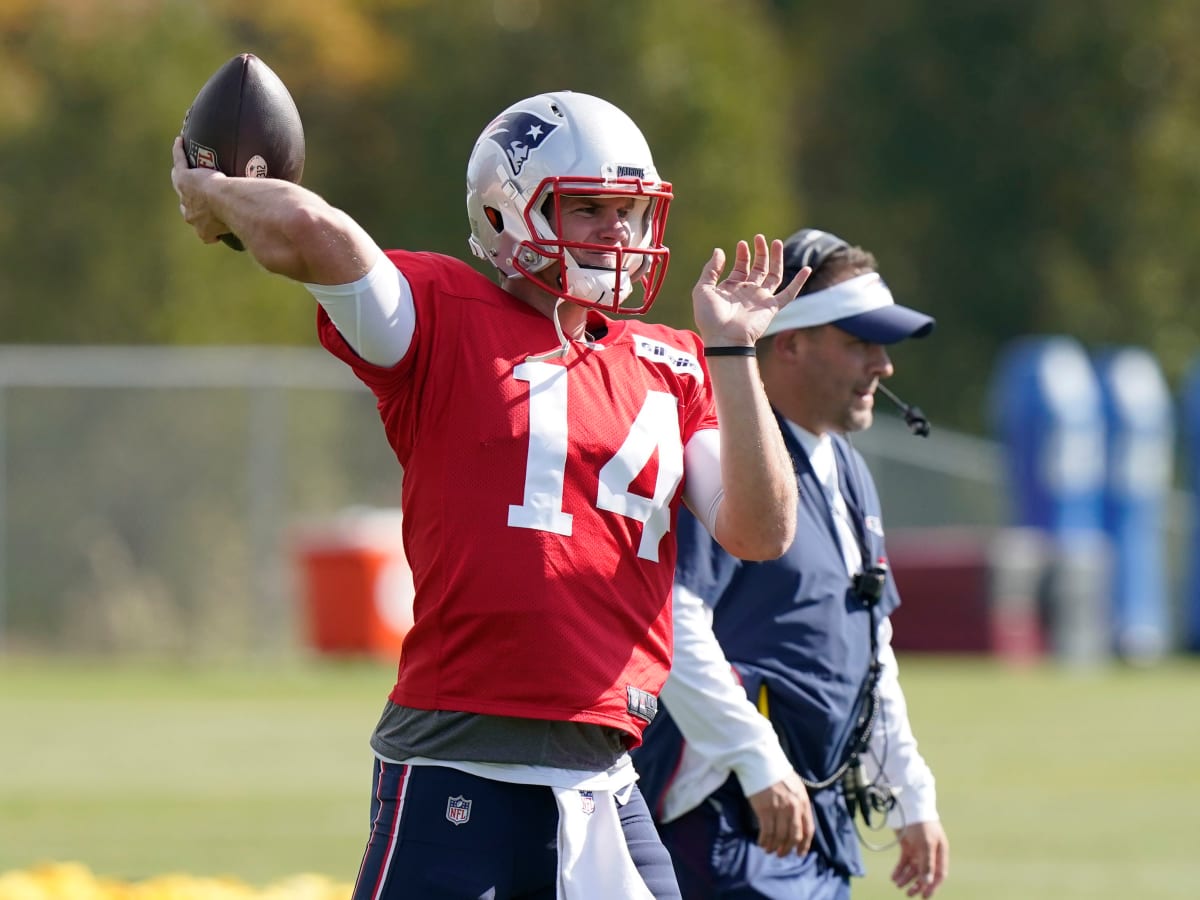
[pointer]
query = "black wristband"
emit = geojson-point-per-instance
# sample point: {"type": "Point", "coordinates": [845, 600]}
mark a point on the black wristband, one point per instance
{"type": "Point", "coordinates": [730, 351]}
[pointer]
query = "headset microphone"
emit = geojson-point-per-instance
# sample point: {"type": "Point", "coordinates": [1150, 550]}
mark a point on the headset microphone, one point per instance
{"type": "Point", "coordinates": [913, 417]}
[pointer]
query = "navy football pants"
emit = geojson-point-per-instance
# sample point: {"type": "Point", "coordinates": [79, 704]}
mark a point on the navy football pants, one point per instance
{"type": "Point", "coordinates": [503, 847]}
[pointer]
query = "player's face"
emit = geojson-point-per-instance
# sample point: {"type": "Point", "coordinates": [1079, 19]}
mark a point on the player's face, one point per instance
{"type": "Point", "coordinates": [838, 373]}
{"type": "Point", "coordinates": [617, 220]}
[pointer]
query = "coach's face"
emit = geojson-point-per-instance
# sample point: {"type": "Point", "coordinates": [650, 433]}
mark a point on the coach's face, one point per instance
{"type": "Point", "coordinates": [831, 378]}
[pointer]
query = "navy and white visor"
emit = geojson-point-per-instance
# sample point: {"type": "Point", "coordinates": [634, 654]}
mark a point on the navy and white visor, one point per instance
{"type": "Point", "coordinates": [862, 306]}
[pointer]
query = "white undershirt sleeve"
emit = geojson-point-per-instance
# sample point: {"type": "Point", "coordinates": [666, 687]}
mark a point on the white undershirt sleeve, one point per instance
{"type": "Point", "coordinates": [703, 491]}
{"type": "Point", "coordinates": [892, 741]}
{"type": "Point", "coordinates": [375, 314]}
{"type": "Point", "coordinates": [710, 707]}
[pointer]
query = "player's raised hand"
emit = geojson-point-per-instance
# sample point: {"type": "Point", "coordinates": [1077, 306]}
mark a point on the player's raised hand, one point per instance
{"type": "Point", "coordinates": [738, 309]}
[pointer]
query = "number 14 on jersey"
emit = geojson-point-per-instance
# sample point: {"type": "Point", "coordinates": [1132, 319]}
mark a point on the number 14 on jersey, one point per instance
{"type": "Point", "coordinates": [654, 429]}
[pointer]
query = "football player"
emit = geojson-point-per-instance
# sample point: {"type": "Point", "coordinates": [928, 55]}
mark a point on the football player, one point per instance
{"type": "Point", "coordinates": [546, 448]}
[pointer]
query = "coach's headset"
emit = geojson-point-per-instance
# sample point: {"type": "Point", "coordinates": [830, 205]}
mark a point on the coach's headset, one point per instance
{"type": "Point", "coordinates": [813, 248]}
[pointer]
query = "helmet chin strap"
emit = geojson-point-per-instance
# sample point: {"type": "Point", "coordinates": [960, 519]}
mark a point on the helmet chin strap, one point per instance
{"type": "Point", "coordinates": [590, 283]}
{"type": "Point", "coordinates": [564, 342]}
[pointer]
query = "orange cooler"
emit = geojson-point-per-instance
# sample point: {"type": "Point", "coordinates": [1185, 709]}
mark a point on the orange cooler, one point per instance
{"type": "Point", "coordinates": [357, 587]}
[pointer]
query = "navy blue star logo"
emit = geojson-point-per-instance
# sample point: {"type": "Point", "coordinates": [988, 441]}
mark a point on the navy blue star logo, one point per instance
{"type": "Point", "coordinates": [519, 134]}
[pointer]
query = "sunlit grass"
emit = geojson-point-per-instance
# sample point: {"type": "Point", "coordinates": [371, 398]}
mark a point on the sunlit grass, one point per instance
{"type": "Point", "coordinates": [1054, 784]}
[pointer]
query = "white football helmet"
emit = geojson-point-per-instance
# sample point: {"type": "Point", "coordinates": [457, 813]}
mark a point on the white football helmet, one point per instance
{"type": "Point", "coordinates": [567, 144]}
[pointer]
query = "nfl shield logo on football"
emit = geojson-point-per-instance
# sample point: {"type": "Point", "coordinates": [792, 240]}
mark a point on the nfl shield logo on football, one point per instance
{"type": "Point", "coordinates": [204, 157]}
{"type": "Point", "coordinates": [458, 810]}
{"type": "Point", "coordinates": [588, 801]}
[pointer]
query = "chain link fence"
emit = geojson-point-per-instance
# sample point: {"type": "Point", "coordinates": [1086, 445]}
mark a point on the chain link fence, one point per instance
{"type": "Point", "coordinates": [149, 496]}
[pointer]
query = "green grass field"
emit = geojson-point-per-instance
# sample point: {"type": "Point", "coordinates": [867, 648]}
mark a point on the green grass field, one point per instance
{"type": "Point", "coordinates": [1052, 784]}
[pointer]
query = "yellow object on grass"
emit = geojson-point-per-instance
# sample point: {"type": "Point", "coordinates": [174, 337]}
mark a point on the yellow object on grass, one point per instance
{"type": "Point", "coordinates": [72, 881]}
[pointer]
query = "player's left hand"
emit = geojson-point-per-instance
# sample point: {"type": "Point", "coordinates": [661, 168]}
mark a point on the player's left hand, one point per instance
{"type": "Point", "coordinates": [924, 858]}
{"type": "Point", "coordinates": [738, 309]}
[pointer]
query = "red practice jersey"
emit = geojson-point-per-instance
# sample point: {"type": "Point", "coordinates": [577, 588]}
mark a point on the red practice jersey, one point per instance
{"type": "Point", "coordinates": [539, 500]}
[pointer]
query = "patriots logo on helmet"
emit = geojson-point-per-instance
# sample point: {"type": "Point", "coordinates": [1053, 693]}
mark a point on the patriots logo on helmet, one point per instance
{"type": "Point", "coordinates": [518, 134]}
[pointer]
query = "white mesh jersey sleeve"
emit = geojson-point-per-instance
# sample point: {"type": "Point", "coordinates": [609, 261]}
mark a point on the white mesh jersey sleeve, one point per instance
{"type": "Point", "coordinates": [375, 314]}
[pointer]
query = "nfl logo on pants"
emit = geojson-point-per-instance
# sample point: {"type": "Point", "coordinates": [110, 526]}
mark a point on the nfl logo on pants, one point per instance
{"type": "Point", "coordinates": [458, 810]}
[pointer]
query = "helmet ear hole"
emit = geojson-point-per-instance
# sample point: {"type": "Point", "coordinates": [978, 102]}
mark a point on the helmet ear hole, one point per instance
{"type": "Point", "coordinates": [494, 217]}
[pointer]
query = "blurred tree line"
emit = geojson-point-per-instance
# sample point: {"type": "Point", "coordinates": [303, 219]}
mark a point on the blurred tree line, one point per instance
{"type": "Point", "coordinates": [1016, 166]}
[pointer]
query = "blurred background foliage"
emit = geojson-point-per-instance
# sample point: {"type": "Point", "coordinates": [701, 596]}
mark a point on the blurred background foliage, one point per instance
{"type": "Point", "coordinates": [1017, 167]}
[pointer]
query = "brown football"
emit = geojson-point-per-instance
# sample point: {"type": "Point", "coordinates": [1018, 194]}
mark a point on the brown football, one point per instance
{"type": "Point", "coordinates": [245, 124]}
